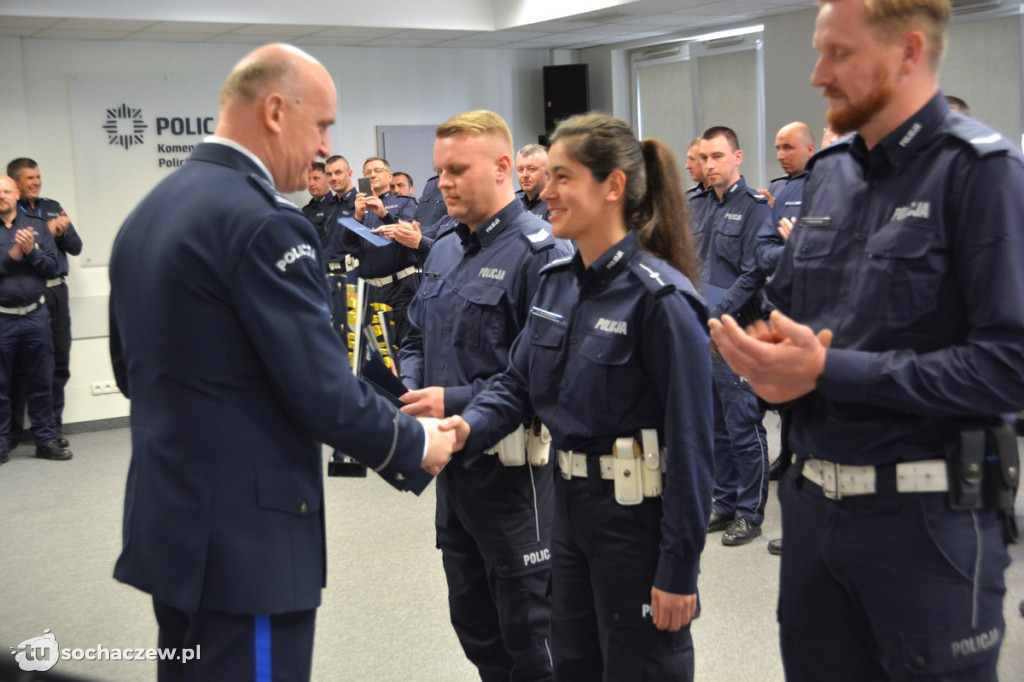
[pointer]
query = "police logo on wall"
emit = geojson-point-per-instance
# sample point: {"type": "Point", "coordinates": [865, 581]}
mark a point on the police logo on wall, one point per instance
{"type": "Point", "coordinates": [124, 126]}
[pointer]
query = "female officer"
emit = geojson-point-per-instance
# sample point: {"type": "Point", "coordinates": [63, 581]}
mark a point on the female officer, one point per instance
{"type": "Point", "coordinates": [615, 351]}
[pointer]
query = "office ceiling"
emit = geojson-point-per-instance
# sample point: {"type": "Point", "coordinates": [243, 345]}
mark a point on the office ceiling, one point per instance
{"type": "Point", "coordinates": [507, 24]}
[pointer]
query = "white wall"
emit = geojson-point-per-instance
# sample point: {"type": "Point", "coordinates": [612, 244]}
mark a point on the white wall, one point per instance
{"type": "Point", "coordinates": [376, 86]}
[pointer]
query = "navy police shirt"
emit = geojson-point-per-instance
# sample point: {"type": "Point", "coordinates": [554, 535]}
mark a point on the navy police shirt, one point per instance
{"type": "Point", "coordinates": [318, 211]}
{"type": "Point", "coordinates": [341, 206]}
{"type": "Point", "coordinates": [23, 281]}
{"type": "Point", "coordinates": [729, 237]}
{"type": "Point", "coordinates": [381, 261]}
{"type": "Point", "coordinates": [68, 243]}
{"type": "Point", "coordinates": [431, 207]}
{"type": "Point", "coordinates": [788, 192]}
{"type": "Point", "coordinates": [608, 350]}
{"type": "Point", "coordinates": [912, 253]}
{"type": "Point", "coordinates": [536, 205]}
{"type": "Point", "coordinates": [473, 301]}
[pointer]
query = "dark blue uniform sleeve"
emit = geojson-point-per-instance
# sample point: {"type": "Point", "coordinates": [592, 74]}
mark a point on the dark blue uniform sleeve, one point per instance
{"type": "Point", "coordinates": [768, 248]}
{"type": "Point", "coordinates": [751, 277]}
{"type": "Point", "coordinates": [676, 356]}
{"type": "Point", "coordinates": [43, 259]}
{"type": "Point", "coordinates": [985, 374]}
{"type": "Point", "coordinates": [308, 367]}
{"type": "Point", "coordinates": [69, 242]}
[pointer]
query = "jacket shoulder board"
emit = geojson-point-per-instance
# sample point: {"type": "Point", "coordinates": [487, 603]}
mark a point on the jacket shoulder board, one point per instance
{"type": "Point", "coordinates": [757, 196]}
{"type": "Point", "coordinates": [537, 235]}
{"type": "Point", "coordinates": [556, 265]}
{"type": "Point", "coordinates": [839, 146]}
{"type": "Point", "coordinates": [982, 139]}
{"type": "Point", "coordinates": [274, 197]}
{"type": "Point", "coordinates": [657, 276]}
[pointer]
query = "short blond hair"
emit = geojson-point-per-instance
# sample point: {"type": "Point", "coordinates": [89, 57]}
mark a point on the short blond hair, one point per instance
{"type": "Point", "coordinates": [477, 122]}
{"type": "Point", "coordinates": [893, 18]}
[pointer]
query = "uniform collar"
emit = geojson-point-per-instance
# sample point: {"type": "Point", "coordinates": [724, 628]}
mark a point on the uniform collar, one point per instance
{"type": "Point", "coordinates": [492, 228]}
{"type": "Point", "coordinates": [902, 144]}
{"type": "Point", "coordinates": [214, 139]}
{"type": "Point", "coordinates": [734, 191]}
{"type": "Point", "coordinates": [609, 264]}
{"type": "Point", "coordinates": [342, 198]}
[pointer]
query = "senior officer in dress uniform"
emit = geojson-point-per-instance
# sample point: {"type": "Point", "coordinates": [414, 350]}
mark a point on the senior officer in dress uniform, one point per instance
{"type": "Point", "coordinates": [899, 339]}
{"type": "Point", "coordinates": [732, 221]}
{"type": "Point", "coordinates": [65, 237]}
{"type": "Point", "coordinates": [28, 258]}
{"type": "Point", "coordinates": [614, 358]}
{"type": "Point", "coordinates": [221, 337]}
{"type": "Point", "coordinates": [493, 512]}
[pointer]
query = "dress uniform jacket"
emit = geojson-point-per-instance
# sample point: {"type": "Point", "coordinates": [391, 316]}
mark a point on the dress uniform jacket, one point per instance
{"type": "Point", "coordinates": [221, 337]}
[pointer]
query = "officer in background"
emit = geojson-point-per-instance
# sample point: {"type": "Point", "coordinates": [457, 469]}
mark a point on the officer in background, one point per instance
{"type": "Point", "coordinates": [391, 271]}
{"type": "Point", "coordinates": [532, 173]}
{"type": "Point", "coordinates": [699, 198]}
{"type": "Point", "coordinates": [402, 185]}
{"type": "Point", "coordinates": [25, 172]}
{"type": "Point", "coordinates": [318, 209]}
{"type": "Point", "coordinates": [493, 511]}
{"type": "Point", "coordinates": [898, 341]}
{"type": "Point", "coordinates": [28, 259]}
{"type": "Point", "coordinates": [794, 145]}
{"type": "Point", "coordinates": [732, 283]}
{"type": "Point", "coordinates": [431, 207]}
{"type": "Point", "coordinates": [221, 337]}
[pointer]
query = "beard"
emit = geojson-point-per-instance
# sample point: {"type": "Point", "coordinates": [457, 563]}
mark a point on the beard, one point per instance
{"type": "Point", "coordinates": [858, 114]}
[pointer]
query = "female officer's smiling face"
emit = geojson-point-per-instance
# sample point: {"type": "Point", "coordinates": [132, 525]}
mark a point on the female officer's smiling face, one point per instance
{"type": "Point", "coordinates": [577, 201]}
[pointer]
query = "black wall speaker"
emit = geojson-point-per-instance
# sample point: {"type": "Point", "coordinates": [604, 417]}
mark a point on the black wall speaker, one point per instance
{"type": "Point", "coordinates": [566, 92]}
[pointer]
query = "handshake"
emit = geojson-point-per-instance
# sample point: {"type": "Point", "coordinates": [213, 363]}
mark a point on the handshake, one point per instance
{"type": "Point", "coordinates": [444, 437]}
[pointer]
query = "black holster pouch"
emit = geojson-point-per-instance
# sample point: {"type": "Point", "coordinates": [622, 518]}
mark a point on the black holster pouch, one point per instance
{"type": "Point", "coordinates": [984, 469]}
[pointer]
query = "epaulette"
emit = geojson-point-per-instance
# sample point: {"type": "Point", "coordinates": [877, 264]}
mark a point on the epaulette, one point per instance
{"type": "Point", "coordinates": [658, 276]}
{"type": "Point", "coordinates": [276, 198]}
{"type": "Point", "coordinates": [841, 145]}
{"type": "Point", "coordinates": [982, 139]}
{"type": "Point", "coordinates": [758, 197]}
{"type": "Point", "coordinates": [555, 265]}
{"type": "Point", "coordinates": [537, 235]}
{"type": "Point", "coordinates": [447, 230]}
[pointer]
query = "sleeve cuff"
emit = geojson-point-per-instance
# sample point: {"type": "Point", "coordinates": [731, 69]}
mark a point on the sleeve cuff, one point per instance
{"type": "Point", "coordinates": [675, 576]}
{"type": "Point", "coordinates": [456, 398]}
{"type": "Point", "coordinates": [846, 376]}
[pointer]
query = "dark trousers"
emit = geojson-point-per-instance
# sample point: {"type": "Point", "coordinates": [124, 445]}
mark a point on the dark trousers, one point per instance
{"type": "Point", "coordinates": [230, 646]}
{"type": "Point", "coordinates": [26, 351]}
{"type": "Point", "coordinates": [604, 557]}
{"type": "Point", "coordinates": [741, 447]}
{"type": "Point", "coordinates": [60, 327]}
{"type": "Point", "coordinates": [894, 587]}
{"type": "Point", "coordinates": [493, 529]}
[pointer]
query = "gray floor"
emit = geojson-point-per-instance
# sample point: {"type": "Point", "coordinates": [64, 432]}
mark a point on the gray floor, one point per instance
{"type": "Point", "coordinates": [384, 615]}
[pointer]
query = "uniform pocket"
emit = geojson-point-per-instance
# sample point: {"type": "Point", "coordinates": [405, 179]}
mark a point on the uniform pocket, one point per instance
{"type": "Point", "coordinates": [481, 321]}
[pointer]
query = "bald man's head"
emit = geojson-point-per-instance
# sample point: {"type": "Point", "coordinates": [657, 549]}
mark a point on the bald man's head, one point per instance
{"type": "Point", "coordinates": [278, 102]}
{"type": "Point", "coordinates": [794, 145]}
